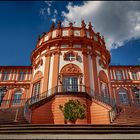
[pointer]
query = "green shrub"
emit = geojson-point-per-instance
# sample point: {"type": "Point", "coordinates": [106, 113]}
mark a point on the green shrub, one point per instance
{"type": "Point", "coordinates": [73, 110]}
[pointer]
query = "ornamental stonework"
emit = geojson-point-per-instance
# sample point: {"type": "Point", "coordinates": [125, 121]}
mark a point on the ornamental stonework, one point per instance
{"type": "Point", "coordinates": [71, 69]}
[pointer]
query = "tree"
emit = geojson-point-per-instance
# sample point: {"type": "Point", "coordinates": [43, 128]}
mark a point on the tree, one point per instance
{"type": "Point", "coordinates": [73, 110]}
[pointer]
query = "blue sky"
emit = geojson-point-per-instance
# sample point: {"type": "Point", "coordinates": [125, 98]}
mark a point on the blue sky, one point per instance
{"type": "Point", "coordinates": [22, 22]}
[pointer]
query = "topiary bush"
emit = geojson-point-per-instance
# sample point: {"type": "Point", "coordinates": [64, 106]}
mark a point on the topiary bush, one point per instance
{"type": "Point", "coordinates": [73, 110]}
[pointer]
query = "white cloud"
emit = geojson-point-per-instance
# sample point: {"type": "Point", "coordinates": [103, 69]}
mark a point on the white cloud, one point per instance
{"type": "Point", "coordinates": [118, 21]}
{"type": "Point", "coordinates": [49, 3]}
{"type": "Point", "coordinates": [54, 20]}
{"type": "Point", "coordinates": [42, 11]}
{"type": "Point", "coordinates": [55, 12]}
{"type": "Point", "coordinates": [48, 11]}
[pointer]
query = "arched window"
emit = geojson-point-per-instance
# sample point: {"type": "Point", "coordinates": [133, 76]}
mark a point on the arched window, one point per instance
{"type": "Point", "coordinates": [123, 96]}
{"type": "Point", "coordinates": [104, 89]}
{"type": "Point", "coordinates": [17, 97]}
{"type": "Point", "coordinates": [36, 89]}
{"type": "Point", "coordinates": [104, 84]}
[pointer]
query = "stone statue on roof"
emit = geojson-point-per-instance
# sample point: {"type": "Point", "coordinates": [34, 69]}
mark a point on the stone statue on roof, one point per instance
{"type": "Point", "coordinates": [52, 26]}
{"type": "Point", "coordinates": [83, 24]}
{"type": "Point", "coordinates": [90, 26]}
{"type": "Point", "coordinates": [59, 25]}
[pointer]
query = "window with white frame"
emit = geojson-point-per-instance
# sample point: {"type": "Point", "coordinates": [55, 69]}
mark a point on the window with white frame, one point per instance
{"type": "Point", "coordinates": [76, 33]}
{"type": "Point", "coordinates": [54, 34]}
{"type": "Point", "coordinates": [123, 96]}
{"type": "Point", "coordinates": [70, 57]}
{"type": "Point", "coordinates": [118, 75]}
{"type": "Point", "coordinates": [5, 75]}
{"type": "Point", "coordinates": [76, 46]}
{"type": "Point", "coordinates": [134, 76]}
{"type": "Point", "coordinates": [65, 33]}
{"type": "Point", "coordinates": [36, 89]}
{"type": "Point", "coordinates": [17, 97]}
{"type": "Point", "coordinates": [70, 83]}
{"type": "Point", "coordinates": [95, 38]}
{"type": "Point", "coordinates": [21, 76]}
{"type": "Point", "coordinates": [104, 89]}
{"type": "Point", "coordinates": [64, 46]}
{"type": "Point", "coordinates": [88, 34]}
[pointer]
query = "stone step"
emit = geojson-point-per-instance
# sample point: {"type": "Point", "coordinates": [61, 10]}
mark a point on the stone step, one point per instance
{"type": "Point", "coordinates": [126, 123]}
{"type": "Point", "coordinates": [8, 115]}
{"type": "Point", "coordinates": [131, 115]}
{"type": "Point", "coordinates": [55, 129]}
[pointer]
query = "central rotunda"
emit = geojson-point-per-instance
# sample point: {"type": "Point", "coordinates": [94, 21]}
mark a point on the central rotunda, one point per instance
{"type": "Point", "coordinates": [70, 63]}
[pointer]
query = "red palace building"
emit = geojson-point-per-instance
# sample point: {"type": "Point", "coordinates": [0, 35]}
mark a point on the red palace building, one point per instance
{"type": "Point", "coordinates": [70, 63]}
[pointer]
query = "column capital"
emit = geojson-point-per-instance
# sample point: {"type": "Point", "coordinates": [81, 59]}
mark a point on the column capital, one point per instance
{"type": "Point", "coordinates": [48, 54]}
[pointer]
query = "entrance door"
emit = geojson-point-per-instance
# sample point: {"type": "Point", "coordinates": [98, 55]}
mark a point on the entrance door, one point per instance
{"type": "Point", "coordinates": [70, 83]}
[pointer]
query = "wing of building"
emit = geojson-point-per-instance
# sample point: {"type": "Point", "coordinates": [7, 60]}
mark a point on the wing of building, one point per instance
{"type": "Point", "coordinates": [70, 63]}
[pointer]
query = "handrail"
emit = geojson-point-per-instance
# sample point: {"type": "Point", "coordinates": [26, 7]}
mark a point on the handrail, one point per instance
{"type": "Point", "coordinates": [12, 103]}
{"type": "Point", "coordinates": [134, 102]}
{"type": "Point", "coordinates": [80, 88]}
{"type": "Point", "coordinates": [64, 88]}
{"type": "Point", "coordinates": [113, 113]}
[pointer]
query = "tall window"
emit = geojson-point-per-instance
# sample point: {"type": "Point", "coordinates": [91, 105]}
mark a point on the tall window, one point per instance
{"type": "Point", "coordinates": [36, 89]}
{"type": "Point", "coordinates": [88, 34]}
{"type": "Point", "coordinates": [54, 34]}
{"type": "Point", "coordinates": [21, 76]}
{"type": "Point", "coordinates": [65, 33]}
{"type": "Point", "coordinates": [118, 75]}
{"type": "Point", "coordinates": [70, 83]}
{"type": "Point", "coordinates": [95, 38]}
{"type": "Point", "coordinates": [76, 32]}
{"type": "Point", "coordinates": [134, 76]}
{"type": "Point", "coordinates": [123, 96]}
{"type": "Point", "coordinates": [104, 89]}
{"type": "Point", "coordinates": [17, 97]}
{"type": "Point", "coordinates": [5, 75]}
{"type": "Point", "coordinates": [1, 96]}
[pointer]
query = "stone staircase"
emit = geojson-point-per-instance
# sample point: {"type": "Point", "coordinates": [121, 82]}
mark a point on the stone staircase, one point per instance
{"type": "Point", "coordinates": [129, 115]}
{"type": "Point", "coordinates": [12, 116]}
{"type": "Point", "coordinates": [67, 128]}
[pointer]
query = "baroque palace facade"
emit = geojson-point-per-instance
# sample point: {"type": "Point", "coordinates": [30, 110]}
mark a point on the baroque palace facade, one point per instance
{"type": "Point", "coordinates": [70, 63]}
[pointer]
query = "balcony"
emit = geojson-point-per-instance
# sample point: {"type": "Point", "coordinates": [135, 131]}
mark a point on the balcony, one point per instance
{"type": "Point", "coordinates": [70, 90]}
